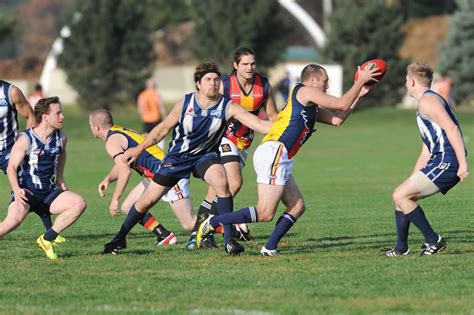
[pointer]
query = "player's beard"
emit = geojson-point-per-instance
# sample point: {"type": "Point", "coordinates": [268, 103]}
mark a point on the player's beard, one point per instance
{"type": "Point", "coordinates": [212, 94]}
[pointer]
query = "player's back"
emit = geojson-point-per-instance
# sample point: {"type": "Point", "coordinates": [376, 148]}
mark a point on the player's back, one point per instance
{"type": "Point", "coordinates": [294, 124]}
{"type": "Point", "coordinates": [432, 134]}
{"type": "Point", "coordinates": [149, 160]}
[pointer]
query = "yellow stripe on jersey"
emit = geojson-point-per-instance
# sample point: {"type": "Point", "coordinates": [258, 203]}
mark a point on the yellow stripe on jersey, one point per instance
{"type": "Point", "coordinates": [282, 122]}
{"type": "Point", "coordinates": [154, 150]}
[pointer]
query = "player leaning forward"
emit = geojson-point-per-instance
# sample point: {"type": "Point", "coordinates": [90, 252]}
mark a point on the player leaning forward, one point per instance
{"type": "Point", "coordinates": [198, 122]}
{"type": "Point", "coordinates": [272, 159]}
{"type": "Point", "coordinates": [36, 174]}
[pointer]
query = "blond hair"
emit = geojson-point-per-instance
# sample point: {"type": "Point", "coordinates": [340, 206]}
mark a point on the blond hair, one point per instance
{"type": "Point", "coordinates": [421, 72]}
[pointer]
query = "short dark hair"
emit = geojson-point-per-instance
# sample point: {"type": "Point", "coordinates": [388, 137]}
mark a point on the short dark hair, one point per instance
{"type": "Point", "coordinates": [204, 68]}
{"type": "Point", "coordinates": [310, 71]}
{"type": "Point", "coordinates": [43, 107]}
{"type": "Point", "coordinates": [242, 51]}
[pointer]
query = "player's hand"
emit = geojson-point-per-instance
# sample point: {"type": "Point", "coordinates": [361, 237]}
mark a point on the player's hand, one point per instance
{"type": "Point", "coordinates": [103, 185]}
{"type": "Point", "coordinates": [21, 196]}
{"type": "Point", "coordinates": [365, 89]}
{"type": "Point", "coordinates": [62, 185]}
{"type": "Point", "coordinates": [463, 172]}
{"type": "Point", "coordinates": [367, 75]}
{"type": "Point", "coordinates": [131, 155]}
{"type": "Point", "coordinates": [113, 208]}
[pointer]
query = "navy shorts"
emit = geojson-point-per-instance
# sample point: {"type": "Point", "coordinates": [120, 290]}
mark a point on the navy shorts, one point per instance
{"type": "Point", "coordinates": [442, 171]}
{"type": "Point", "coordinates": [40, 202]}
{"type": "Point", "coordinates": [172, 169]}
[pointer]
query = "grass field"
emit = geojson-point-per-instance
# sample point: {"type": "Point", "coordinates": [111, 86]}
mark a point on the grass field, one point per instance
{"type": "Point", "coordinates": [330, 262]}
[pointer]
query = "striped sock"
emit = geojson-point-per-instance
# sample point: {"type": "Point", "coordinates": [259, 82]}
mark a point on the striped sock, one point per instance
{"type": "Point", "coordinates": [244, 215]}
{"type": "Point", "coordinates": [202, 214]}
{"type": "Point", "coordinates": [153, 225]}
{"type": "Point", "coordinates": [282, 226]}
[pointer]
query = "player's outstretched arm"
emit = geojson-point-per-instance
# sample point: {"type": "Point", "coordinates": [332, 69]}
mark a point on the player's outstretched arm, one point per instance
{"type": "Point", "coordinates": [16, 157]}
{"type": "Point", "coordinates": [236, 111]}
{"type": "Point", "coordinates": [22, 106]}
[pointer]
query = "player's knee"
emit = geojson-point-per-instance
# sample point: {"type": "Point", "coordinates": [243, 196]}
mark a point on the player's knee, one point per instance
{"type": "Point", "coordinates": [397, 196]}
{"type": "Point", "coordinates": [265, 214]}
{"type": "Point", "coordinates": [81, 205]}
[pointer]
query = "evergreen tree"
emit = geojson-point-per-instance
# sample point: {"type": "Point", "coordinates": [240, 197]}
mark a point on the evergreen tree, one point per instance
{"type": "Point", "coordinates": [457, 53]}
{"type": "Point", "coordinates": [109, 53]}
{"type": "Point", "coordinates": [364, 30]}
{"type": "Point", "coordinates": [223, 26]}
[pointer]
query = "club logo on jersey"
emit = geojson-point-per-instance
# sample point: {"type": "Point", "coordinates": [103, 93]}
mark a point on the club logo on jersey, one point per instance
{"type": "Point", "coordinates": [226, 148]}
{"type": "Point", "coordinates": [3, 102]}
{"type": "Point", "coordinates": [216, 114]}
{"type": "Point", "coordinates": [54, 150]}
{"type": "Point", "coordinates": [190, 112]}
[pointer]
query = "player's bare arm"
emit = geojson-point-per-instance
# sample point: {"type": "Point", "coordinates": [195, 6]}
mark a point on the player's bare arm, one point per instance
{"type": "Point", "coordinates": [156, 134]}
{"type": "Point", "coordinates": [60, 182]}
{"type": "Point", "coordinates": [16, 158]}
{"type": "Point", "coordinates": [270, 106]}
{"type": "Point", "coordinates": [22, 106]}
{"type": "Point", "coordinates": [236, 111]}
{"type": "Point", "coordinates": [431, 107]}
{"type": "Point", "coordinates": [109, 178]}
{"type": "Point", "coordinates": [115, 146]}
{"type": "Point", "coordinates": [339, 117]}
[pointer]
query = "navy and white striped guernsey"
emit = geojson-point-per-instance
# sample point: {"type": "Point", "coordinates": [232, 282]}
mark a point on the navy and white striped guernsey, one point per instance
{"type": "Point", "coordinates": [199, 130]}
{"type": "Point", "coordinates": [38, 171]}
{"type": "Point", "coordinates": [8, 118]}
{"type": "Point", "coordinates": [431, 133]}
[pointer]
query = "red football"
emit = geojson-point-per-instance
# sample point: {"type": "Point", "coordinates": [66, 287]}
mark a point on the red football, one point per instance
{"type": "Point", "coordinates": [381, 65]}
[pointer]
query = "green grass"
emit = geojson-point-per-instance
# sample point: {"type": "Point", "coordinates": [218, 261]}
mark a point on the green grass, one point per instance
{"type": "Point", "coordinates": [330, 261]}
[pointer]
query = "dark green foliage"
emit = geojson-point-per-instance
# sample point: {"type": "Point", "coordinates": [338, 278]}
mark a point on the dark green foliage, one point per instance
{"type": "Point", "coordinates": [223, 26]}
{"type": "Point", "coordinates": [366, 30]}
{"type": "Point", "coordinates": [163, 13]}
{"type": "Point", "coordinates": [457, 53]}
{"type": "Point", "coordinates": [109, 53]}
{"type": "Point", "coordinates": [424, 8]}
{"type": "Point", "coordinates": [7, 32]}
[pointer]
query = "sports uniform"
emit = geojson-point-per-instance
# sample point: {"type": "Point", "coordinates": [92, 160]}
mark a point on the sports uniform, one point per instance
{"type": "Point", "coordinates": [293, 127]}
{"type": "Point", "coordinates": [37, 174]}
{"type": "Point", "coordinates": [8, 124]}
{"type": "Point", "coordinates": [195, 141]}
{"type": "Point", "coordinates": [149, 161]}
{"type": "Point", "coordinates": [443, 165]}
{"type": "Point", "coordinates": [238, 137]}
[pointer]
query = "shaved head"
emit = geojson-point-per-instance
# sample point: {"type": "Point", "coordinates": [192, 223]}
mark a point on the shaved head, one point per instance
{"type": "Point", "coordinates": [102, 117]}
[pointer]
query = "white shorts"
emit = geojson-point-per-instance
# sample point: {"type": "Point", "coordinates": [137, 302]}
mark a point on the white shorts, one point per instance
{"type": "Point", "coordinates": [177, 192]}
{"type": "Point", "coordinates": [230, 152]}
{"type": "Point", "coordinates": [271, 163]}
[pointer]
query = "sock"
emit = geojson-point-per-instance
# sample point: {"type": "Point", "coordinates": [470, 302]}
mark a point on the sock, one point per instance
{"type": "Point", "coordinates": [151, 224]}
{"type": "Point", "coordinates": [47, 222]}
{"type": "Point", "coordinates": [202, 214]}
{"type": "Point", "coordinates": [418, 218]}
{"type": "Point", "coordinates": [283, 224]}
{"type": "Point", "coordinates": [214, 207]}
{"type": "Point", "coordinates": [130, 221]}
{"type": "Point", "coordinates": [225, 205]}
{"type": "Point", "coordinates": [402, 224]}
{"type": "Point", "coordinates": [244, 215]}
{"type": "Point", "coordinates": [50, 235]}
